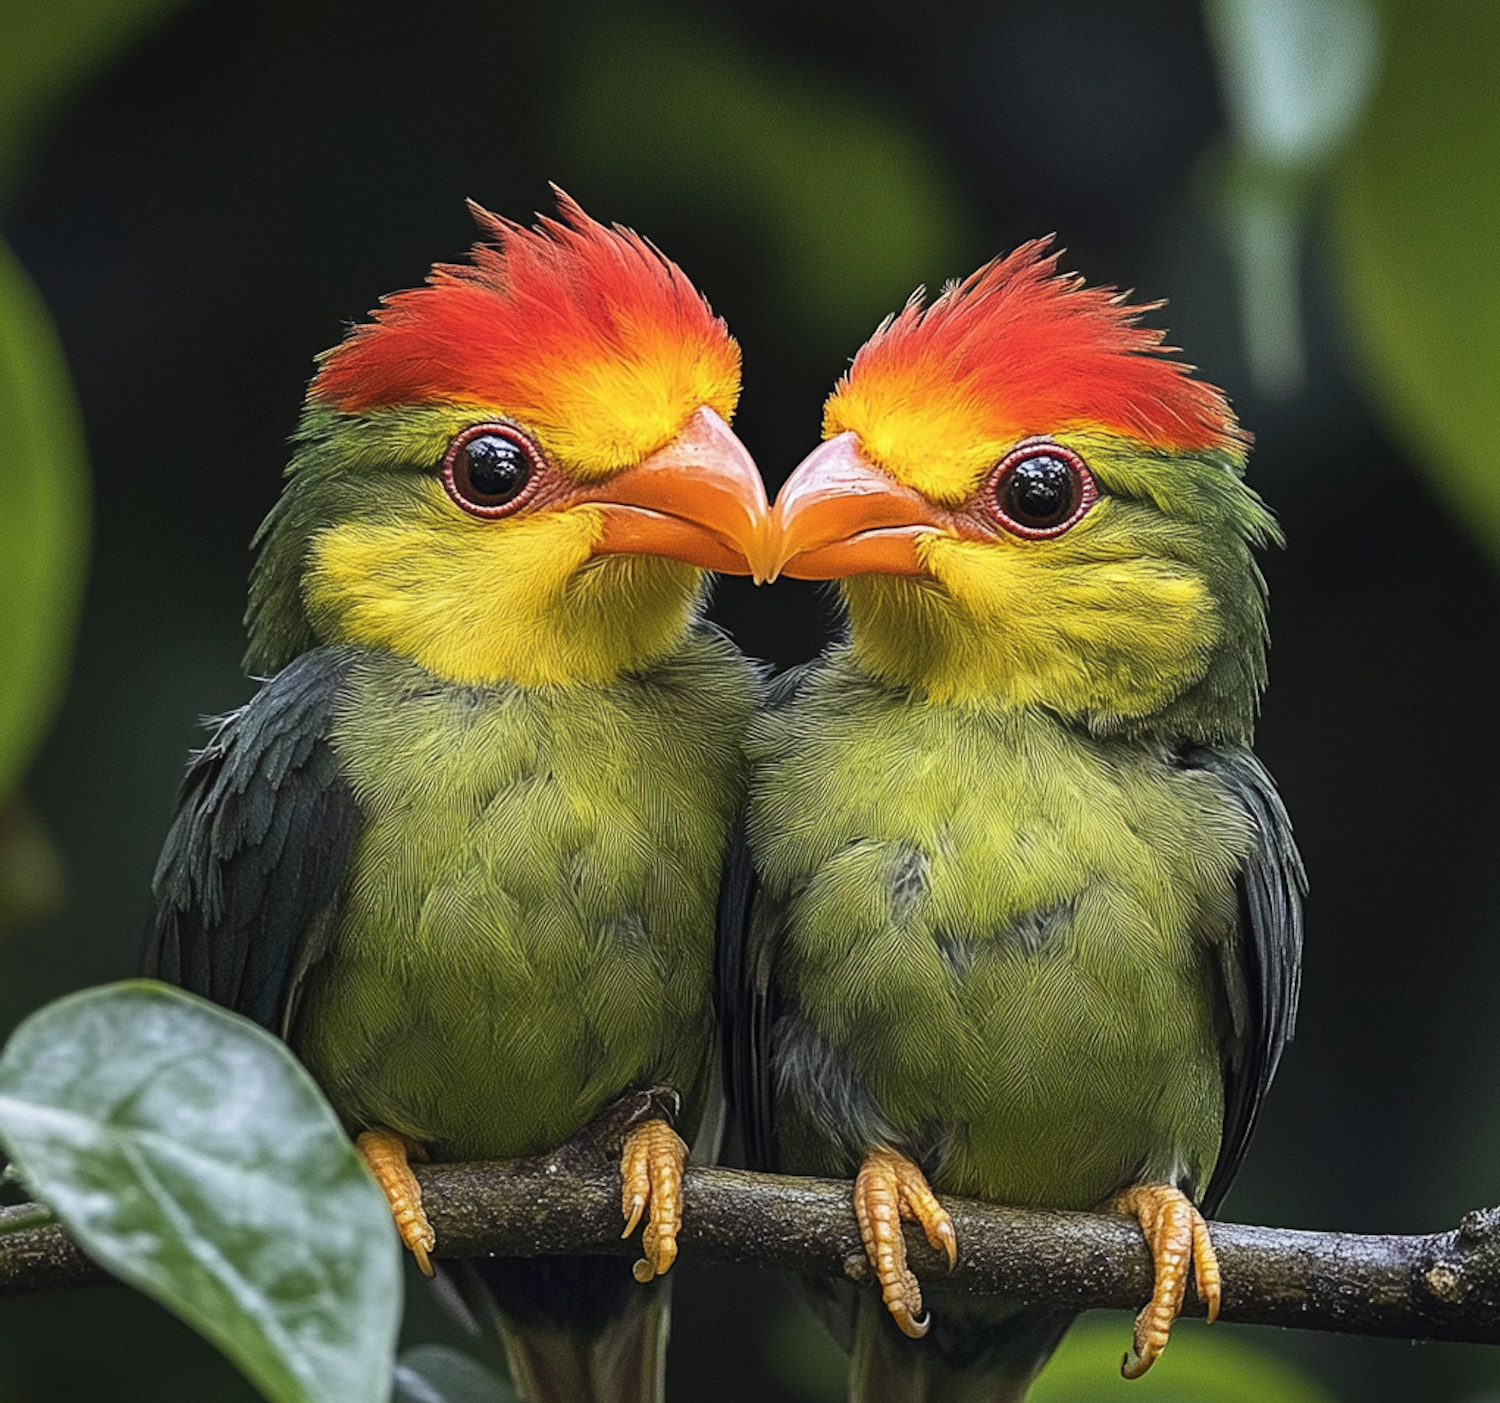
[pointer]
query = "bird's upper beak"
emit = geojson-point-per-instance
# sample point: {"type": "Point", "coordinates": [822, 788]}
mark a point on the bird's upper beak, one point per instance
{"type": "Point", "coordinates": [698, 499]}
{"type": "Point", "coordinates": [838, 515]}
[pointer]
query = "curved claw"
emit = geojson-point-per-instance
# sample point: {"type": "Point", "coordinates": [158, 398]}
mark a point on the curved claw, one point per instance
{"type": "Point", "coordinates": [1179, 1241]}
{"type": "Point", "coordinates": [891, 1187]}
{"type": "Point", "coordinates": [388, 1154]}
{"type": "Point", "coordinates": [651, 1166]}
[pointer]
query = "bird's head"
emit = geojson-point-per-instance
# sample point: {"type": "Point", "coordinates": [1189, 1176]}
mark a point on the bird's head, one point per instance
{"type": "Point", "coordinates": [517, 472]}
{"type": "Point", "coordinates": [1030, 504]}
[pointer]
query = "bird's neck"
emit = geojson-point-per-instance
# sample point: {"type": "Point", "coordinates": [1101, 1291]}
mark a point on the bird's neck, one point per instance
{"type": "Point", "coordinates": [532, 608]}
{"type": "Point", "coordinates": [915, 637]}
{"type": "Point", "coordinates": [997, 639]}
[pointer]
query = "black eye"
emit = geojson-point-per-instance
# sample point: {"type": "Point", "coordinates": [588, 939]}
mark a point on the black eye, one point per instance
{"type": "Point", "coordinates": [1039, 489]}
{"type": "Point", "coordinates": [490, 469]}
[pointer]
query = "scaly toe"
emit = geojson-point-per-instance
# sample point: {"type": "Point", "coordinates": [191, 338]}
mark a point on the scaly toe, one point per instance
{"type": "Point", "coordinates": [388, 1154]}
{"type": "Point", "coordinates": [889, 1188]}
{"type": "Point", "coordinates": [919, 1204]}
{"type": "Point", "coordinates": [1206, 1274]}
{"type": "Point", "coordinates": [651, 1167]}
{"type": "Point", "coordinates": [1179, 1241]}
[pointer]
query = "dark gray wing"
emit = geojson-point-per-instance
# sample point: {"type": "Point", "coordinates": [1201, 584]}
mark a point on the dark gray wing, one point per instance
{"type": "Point", "coordinates": [740, 1047]}
{"type": "Point", "coordinates": [1266, 954]}
{"type": "Point", "coordinates": [250, 873]}
{"type": "Point", "coordinates": [744, 995]}
{"type": "Point", "coordinates": [747, 1003]}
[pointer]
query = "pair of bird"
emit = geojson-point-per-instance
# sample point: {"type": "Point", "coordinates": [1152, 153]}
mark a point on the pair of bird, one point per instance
{"type": "Point", "coordinates": [1005, 907]}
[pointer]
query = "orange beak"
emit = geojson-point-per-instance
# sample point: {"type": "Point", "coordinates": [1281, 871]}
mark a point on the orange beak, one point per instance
{"type": "Point", "coordinates": [840, 515]}
{"type": "Point", "coordinates": [699, 499]}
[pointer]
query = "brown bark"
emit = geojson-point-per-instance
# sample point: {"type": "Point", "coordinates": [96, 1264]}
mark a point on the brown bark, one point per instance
{"type": "Point", "coordinates": [1438, 1286]}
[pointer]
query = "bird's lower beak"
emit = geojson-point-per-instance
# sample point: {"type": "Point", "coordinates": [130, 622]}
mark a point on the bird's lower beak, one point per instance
{"type": "Point", "coordinates": [699, 499]}
{"type": "Point", "coordinates": [840, 515]}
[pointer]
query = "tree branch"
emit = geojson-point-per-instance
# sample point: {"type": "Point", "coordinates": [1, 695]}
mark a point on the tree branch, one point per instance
{"type": "Point", "coordinates": [1441, 1286]}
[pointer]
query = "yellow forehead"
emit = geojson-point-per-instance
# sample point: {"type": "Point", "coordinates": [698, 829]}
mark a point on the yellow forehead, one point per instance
{"type": "Point", "coordinates": [602, 412]}
{"type": "Point", "coordinates": [929, 435]}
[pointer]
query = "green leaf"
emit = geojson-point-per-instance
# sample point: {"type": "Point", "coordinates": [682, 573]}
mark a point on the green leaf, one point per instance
{"type": "Point", "coordinates": [1417, 207]}
{"type": "Point", "coordinates": [46, 48]}
{"type": "Point", "coordinates": [190, 1154]}
{"type": "Point", "coordinates": [437, 1374]}
{"type": "Point", "coordinates": [1200, 1365]}
{"type": "Point", "coordinates": [44, 510]}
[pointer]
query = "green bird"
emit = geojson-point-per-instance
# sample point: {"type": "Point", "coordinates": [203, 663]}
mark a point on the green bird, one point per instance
{"type": "Point", "coordinates": [462, 848]}
{"type": "Point", "coordinates": [1028, 922]}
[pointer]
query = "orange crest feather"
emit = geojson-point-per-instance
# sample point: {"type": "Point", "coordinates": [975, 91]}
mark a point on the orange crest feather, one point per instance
{"type": "Point", "coordinates": [941, 392]}
{"type": "Point", "coordinates": [585, 334]}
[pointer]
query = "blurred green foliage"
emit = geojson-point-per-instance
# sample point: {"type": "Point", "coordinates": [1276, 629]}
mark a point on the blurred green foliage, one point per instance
{"type": "Point", "coordinates": [1199, 1366]}
{"type": "Point", "coordinates": [1417, 228]}
{"type": "Point", "coordinates": [44, 496]}
{"type": "Point", "coordinates": [31, 870]}
{"type": "Point", "coordinates": [801, 1356]}
{"type": "Point", "coordinates": [48, 46]}
{"type": "Point", "coordinates": [851, 205]}
{"type": "Point", "coordinates": [1296, 75]}
{"type": "Point", "coordinates": [438, 1374]}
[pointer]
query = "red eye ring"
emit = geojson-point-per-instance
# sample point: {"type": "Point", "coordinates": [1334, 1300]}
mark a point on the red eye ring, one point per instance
{"type": "Point", "coordinates": [1023, 505]}
{"type": "Point", "coordinates": [491, 469]}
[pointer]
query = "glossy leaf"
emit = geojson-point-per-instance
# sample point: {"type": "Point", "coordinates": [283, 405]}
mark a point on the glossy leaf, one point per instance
{"type": "Point", "coordinates": [437, 1374]}
{"type": "Point", "coordinates": [189, 1153]}
{"type": "Point", "coordinates": [1417, 227]}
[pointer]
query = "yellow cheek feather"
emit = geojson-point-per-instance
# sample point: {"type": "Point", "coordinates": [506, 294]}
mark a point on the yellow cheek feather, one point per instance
{"type": "Point", "coordinates": [518, 600]}
{"type": "Point", "coordinates": [1036, 626]}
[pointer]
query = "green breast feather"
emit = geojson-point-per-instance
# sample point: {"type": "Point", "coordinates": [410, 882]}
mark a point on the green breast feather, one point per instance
{"type": "Point", "coordinates": [526, 927]}
{"type": "Point", "coordinates": [987, 914]}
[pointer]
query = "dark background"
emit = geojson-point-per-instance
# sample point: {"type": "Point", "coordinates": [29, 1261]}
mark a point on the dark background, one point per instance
{"type": "Point", "coordinates": [213, 209]}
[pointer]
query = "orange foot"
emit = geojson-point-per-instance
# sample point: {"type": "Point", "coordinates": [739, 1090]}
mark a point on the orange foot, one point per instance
{"type": "Point", "coordinates": [388, 1153]}
{"type": "Point", "coordinates": [889, 1188]}
{"type": "Point", "coordinates": [651, 1167]}
{"type": "Point", "coordinates": [1177, 1235]}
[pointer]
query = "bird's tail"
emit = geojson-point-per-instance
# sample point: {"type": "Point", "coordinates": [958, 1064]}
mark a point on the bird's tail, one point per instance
{"type": "Point", "coordinates": [623, 1363]}
{"type": "Point", "coordinates": [579, 1330]}
{"type": "Point", "coordinates": [977, 1351]}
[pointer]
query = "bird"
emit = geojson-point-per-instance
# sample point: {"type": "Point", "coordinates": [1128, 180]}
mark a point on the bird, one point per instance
{"type": "Point", "coordinates": [462, 848]}
{"type": "Point", "coordinates": [1022, 911]}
